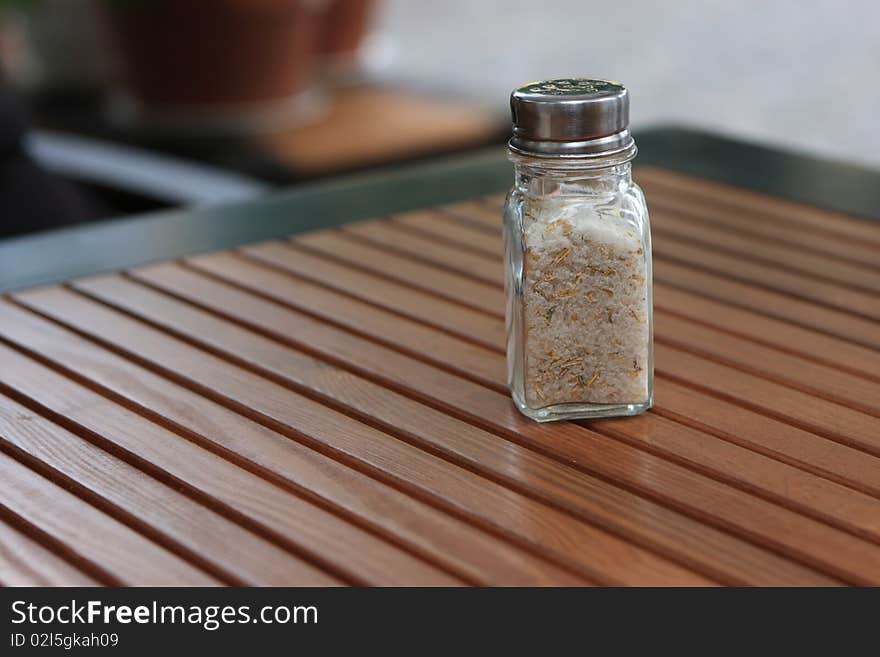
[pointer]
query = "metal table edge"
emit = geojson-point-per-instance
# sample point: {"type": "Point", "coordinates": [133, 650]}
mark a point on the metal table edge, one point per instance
{"type": "Point", "coordinates": [54, 256]}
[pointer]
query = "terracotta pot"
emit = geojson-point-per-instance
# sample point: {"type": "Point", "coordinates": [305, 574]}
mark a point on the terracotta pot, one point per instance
{"type": "Point", "coordinates": [346, 24]}
{"type": "Point", "coordinates": [203, 53]}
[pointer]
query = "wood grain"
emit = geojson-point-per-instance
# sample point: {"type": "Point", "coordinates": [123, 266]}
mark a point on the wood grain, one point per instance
{"type": "Point", "coordinates": [424, 249]}
{"type": "Point", "coordinates": [440, 226]}
{"type": "Point", "coordinates": [517, 517]}
{"type": "Point", "coordinates": [173, 520]}
{"type": "Point", "coordinates": [853, 427]}
{"type": "Point", "coordinates": [771, 277]}
{"type": "Point", "coordinates": [818, 379]}
{"type": "Point", "coordinates": [757, 328]}
{"type": "Point", "coordinates": [465, 396]}
{"type": "Point", "coordinates": [770, 233]}
{"type": "Point", "coordinates": [408, 372]}
{"type": "Point", "coordinates": [760, 329]}
{"type": "Point", "coordinates": [124, 555]}
{"type": "Point", "coordinates": [432, 310]}
{"type": "Point", "coordinates": [355, 314]}
{"type": "Point", "coordinates": [26, 562]}
{"type": "Point", "coordinates": [760, 207]}
{"type": "Point", "coordinates": [410, 522]}
{"type": "Point", "coordinates": [829, 381]}
{"type": "Point", "coordinates": [754, 217]}
{"type": "Point", "coordinates": [721, 344]}
{"type": "Point", "coordinates": [332, 409]}
{"type": "Point", "coordinates": [768, 302]}
{"type": "Point", "coordinates": [446, 284]}
{"type": "Point", "coordinates": [571, 490]}
{"type": "Point", "coordinates": [832, 413]}
{"type": "Point", "coordinates": [749, 284]}
{"type": "Point", "coordinates": [754, 247]}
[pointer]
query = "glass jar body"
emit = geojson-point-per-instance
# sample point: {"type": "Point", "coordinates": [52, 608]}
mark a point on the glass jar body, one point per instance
{"type": "Point", "coordinates": [578, 282]}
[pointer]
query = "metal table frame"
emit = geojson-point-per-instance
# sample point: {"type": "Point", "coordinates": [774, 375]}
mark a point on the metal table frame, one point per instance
{"type": "Point", "coordinates": [53, 256]}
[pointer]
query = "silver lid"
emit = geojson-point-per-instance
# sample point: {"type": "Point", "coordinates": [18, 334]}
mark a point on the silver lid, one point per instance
{"type": "Point", "coordinates": [570, 117]}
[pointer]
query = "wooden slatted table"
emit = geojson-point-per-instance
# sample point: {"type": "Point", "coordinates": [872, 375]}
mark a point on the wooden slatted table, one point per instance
{"type": "Point", "coordinates": [331, 409]}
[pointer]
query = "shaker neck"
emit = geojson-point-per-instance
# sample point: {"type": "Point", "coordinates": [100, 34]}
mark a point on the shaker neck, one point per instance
{"type": "Point", "coordinates": [539, 177]}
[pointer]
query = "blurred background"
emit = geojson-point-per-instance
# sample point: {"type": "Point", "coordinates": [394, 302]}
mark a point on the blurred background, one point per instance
{"type": "Point", "coordinates": [113, 107]}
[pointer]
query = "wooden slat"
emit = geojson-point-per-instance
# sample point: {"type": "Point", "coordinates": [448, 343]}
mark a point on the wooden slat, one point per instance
{"type": "Point", "coordinates": [598, 553]}
{"type": "Point", "coordinates": [113, 548]}
{"type": "Point", "coordinates": [169, 517]}
{"type": "Point", "coordinates": [333, 409]}
{"type": "Point", "coordinates": [339, 245]}
{"type": "Point", "coordinates": [858, 428]}
{"type": "Point", "coordinates": [494, 408]}
{"type": "Point", "coordinates": [518, 517]}
{"type": "Point", "coordinates": [419, 340]}
{"type": "Point", "coordinates": [798, 408]}
{"type": "Point", "coordinates": [445, 315]}
{"type": "Point", "coordinates": [863, 328]}
{"type": "Point", "coordinates": [151, 444]}
{"type": "Point", "coordinates": [420, 248]}
{"type": "Point", "coordinates": [439, 226]}
{"type": "Point", "coordinates": [375, 561]}
{"type": "Point", "coordinates": [772, 232]}
{"type": "Point", "coordinates": [743, 244]}
{"type": "Point", "coordinates": [26, 562]}
{"type": "Point", "coordinates": [481, 449]}
{"type": "Point", "coordinates": [828, 380]}
{"type": "Point", "coordinates": [466, 397]}
{"type": "Point", "coordinates": [475, 225]}
{"type": "Point", "coordinates": [673, 264]}
{"type": "Point", "coordinates": [767, 435]}
{"type": "Point", "coordinates": [760, 207]}
{"type": "Point", "coordinates": [481, 212]}
{"type": "Point", "coordinates": [768, 302]}
{"type": "Point", "coordinates": [354, 314]}
{"type": "Point", "coordinates": [487, 211]}
{"type": "Point", "coordinates": [701, 214]}
{"type": "Point", "coordinates": [828, 418]}
{"type": "Point", "coordinates": [780, 335]}
{"type": "Point", "coordinates": [411, 522]}
{"type": "Point", "coordinates": [766, 276]}
{"type": "Point", "coordinates": [816, 379]}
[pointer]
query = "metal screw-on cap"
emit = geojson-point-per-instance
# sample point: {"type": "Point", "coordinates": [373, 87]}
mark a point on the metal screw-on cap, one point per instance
{"type": "Point", "coordinates": [573, 117]}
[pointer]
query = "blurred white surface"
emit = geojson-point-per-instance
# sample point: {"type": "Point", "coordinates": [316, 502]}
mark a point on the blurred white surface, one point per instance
{"type": "Point", "coordinates": [798, 74]}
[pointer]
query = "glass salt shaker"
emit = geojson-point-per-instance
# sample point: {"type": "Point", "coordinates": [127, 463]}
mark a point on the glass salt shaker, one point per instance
{"type": "Point", "coordinates": [577, 256]}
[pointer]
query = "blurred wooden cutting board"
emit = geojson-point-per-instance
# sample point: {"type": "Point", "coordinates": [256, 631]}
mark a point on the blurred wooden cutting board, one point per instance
{"type": "Point", "coordinates": [369, 125]}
